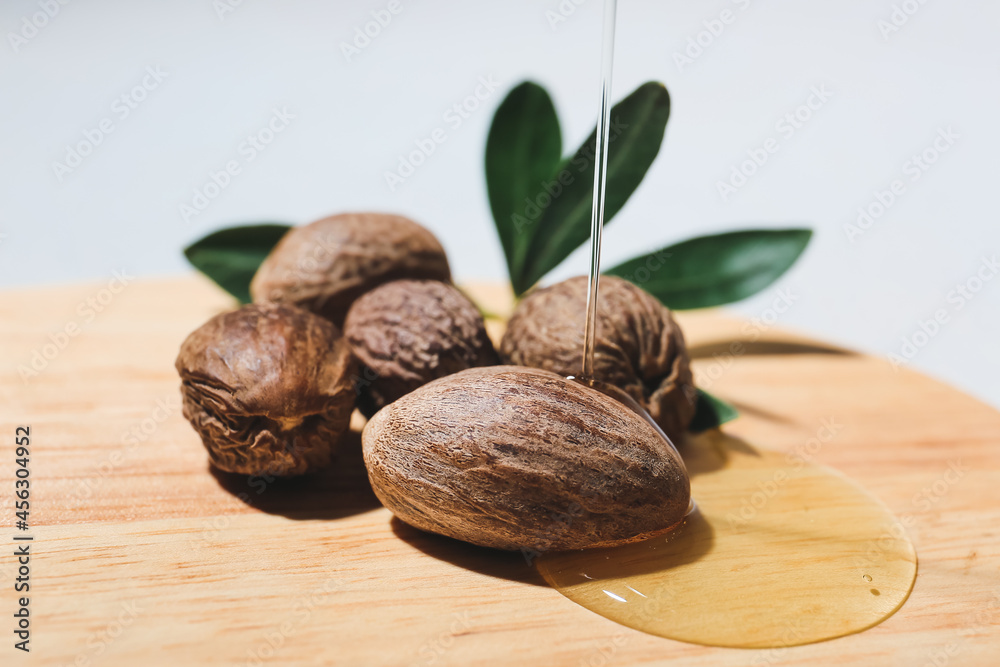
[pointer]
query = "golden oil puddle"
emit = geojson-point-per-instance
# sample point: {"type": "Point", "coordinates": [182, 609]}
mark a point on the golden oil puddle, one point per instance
{"type": "Point", "coordinates": [778, 552]}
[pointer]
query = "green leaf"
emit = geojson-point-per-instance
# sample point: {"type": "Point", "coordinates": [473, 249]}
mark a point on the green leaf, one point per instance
{"type": "Point", "coordinates": [713, 270]}
{"type": "Point", "coordinates": [711, 412]}
{"type": "Point", "coordinates": [523, 150]}
{"type": "Point", "coordinates": [231, 256]}
{"type": "Point", "coordinates": [638, 123]}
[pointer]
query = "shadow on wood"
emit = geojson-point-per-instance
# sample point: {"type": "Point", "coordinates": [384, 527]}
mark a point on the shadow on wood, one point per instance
{"type": "Point", "coordinates": [338, 491]}
{"type": "Point", "coordinates": [702, 454]}
{"type": "Point", "coordinates": [739, 348]}
{"type": "Point", "coordinates": [686, 543]}
{"type": "Point", "coordinates": [510, 565]}
{"type": "Point", "coordinates": [709, 450]}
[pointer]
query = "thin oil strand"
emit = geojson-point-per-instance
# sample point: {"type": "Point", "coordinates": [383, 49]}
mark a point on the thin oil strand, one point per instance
{"type": "Point", "coordinates": [600, 183]}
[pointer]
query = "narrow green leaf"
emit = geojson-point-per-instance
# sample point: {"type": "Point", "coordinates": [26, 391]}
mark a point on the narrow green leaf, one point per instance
{"type": "Point", "coordinates": [231, 256]}
{"type": "Point", "coordinates": [523, 150]}
{"type": "Point", "coordinates": [638, 123]}
{"type": "Point", "coordinates": [711, 412]}
{"type": "Point", "coordinates": [713, 270]}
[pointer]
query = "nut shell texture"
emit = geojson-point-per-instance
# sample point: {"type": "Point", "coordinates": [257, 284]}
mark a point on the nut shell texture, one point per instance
{"type": "Point", "coordinates": [324, 266]}
{"type": "Point", "coordinates": [269, 389]}
{"type": "Point", "coordinates": [409, 332]}
{"type": "Point", "coordinates": [639, 347]}
{"type": "Point", "coordinates": [519, 458]}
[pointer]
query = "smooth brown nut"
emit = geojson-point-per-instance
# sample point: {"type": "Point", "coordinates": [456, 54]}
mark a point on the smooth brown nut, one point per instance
{"type": "Point", "coordinates": [324, 266]}
{"type": "Point", "coordinates": [638, 346]}
{"type": "Point", "coordinates": [519, 458]}
{"type": "Point", "coordinates": [269, 389]}
{"type": "Point", "coordinates": [409, 332]}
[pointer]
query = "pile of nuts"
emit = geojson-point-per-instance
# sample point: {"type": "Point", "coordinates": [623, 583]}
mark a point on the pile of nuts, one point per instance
{"type": "Point", "coordinates": [358, 310]}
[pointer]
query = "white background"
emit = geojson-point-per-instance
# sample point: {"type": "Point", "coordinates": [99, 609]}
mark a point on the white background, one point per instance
{"type": "Point", "coordinates": [890, 95]}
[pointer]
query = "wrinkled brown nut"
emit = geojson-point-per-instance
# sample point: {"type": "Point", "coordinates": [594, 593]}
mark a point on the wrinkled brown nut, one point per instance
{"type": "Point", "coordinates": [409, 332]}
{"type": "Point", "coordinates": [519, 458]}
{"type": "Point", "coordinates": [269, 389]}
{"type": "Point", "coordinates": [324, 266]}
{"type": "Point", "coordinates": [639, 347]}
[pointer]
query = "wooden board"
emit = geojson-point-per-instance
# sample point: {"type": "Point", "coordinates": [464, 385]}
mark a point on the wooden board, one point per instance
{"type": "Point", "coordinates": [143, 556]}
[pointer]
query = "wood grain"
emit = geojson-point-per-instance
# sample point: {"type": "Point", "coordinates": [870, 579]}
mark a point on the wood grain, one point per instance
{"type": "Point", "coordinates": [142, 555]}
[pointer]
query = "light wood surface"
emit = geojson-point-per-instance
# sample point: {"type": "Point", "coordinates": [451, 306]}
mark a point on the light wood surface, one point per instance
{"type": "Point", "coordinates": [143, 556]}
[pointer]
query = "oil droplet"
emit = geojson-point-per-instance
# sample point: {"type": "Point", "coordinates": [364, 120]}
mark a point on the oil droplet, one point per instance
{"type": "Point", "coordinates": [779, 552]}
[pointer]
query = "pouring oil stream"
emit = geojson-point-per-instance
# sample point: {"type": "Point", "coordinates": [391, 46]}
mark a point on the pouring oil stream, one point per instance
{"type": "Point", "coordinates": [597, 228]}
{"type": "Point", "coordinates": [600, 187]}
{"type": "Point", "coordinates": [779, 552]}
